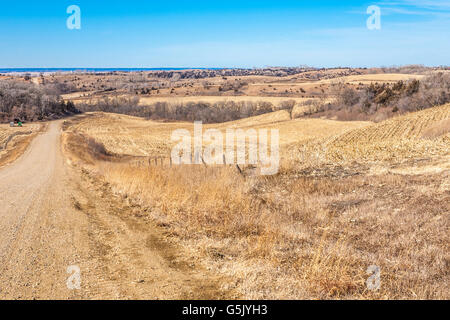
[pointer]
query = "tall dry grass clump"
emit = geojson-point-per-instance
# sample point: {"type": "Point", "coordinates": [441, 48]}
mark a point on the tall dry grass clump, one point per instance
{"type": "Point", "coordinates": [198, 197]}
{"type": "Point", "coordinates": [298, 237]}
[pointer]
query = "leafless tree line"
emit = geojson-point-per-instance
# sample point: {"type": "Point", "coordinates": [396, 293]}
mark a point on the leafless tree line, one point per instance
{"type": "Point", "coordinates": [28, 102]}
{"type": "Point", "coordinates": [221, 111]}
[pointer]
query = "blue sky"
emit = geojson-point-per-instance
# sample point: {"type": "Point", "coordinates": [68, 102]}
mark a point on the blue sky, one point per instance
{"type": "Point", "coordinates": [147, 33]}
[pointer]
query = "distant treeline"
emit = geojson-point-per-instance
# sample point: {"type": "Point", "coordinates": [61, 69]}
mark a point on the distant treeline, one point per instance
{"type": "Point", "coordinates": [221, 111]}
{"type": "Point", "coordinates": [28, 102]}
{"type": "Point", "coordinates": [209, 73]}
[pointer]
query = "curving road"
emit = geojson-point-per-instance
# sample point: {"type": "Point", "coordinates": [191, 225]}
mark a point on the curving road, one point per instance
{"type": "Point", "coordinates": [53, 216]}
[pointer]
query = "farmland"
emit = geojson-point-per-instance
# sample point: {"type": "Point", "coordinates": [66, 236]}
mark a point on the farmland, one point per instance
{"type": "Point", "coordinates": [363, 181]}
{"type": "Point", "coordinates": [349, 195]}
{"type": "Point", "coordinates": [153, 139]}
{"type": "Point", "coordinates": [204, 152]}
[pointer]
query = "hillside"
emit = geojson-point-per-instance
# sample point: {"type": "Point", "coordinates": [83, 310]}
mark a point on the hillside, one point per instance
{"type": "Point", "coordinates": [349, 195]}
{"type": "Point", "coordinates": [420, 134]}
{"type": "Point", "coordinates": [128, 135]}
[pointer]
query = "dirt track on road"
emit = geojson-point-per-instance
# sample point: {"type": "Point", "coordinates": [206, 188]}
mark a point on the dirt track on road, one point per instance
{"type": "Point", "coordinates": [53, 216]}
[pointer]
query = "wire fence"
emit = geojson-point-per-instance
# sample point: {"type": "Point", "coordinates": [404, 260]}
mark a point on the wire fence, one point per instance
{"type": "Point", "coordinates": [167, 162]}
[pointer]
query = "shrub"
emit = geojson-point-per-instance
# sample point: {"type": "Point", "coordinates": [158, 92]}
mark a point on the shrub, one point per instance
{"type": "Point", "coordinates": [380, 101]}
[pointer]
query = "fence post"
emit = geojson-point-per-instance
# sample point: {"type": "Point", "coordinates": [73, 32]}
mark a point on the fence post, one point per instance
{"type": "Point", "coordinates": [204, 163]}
{"type": "Point", "coordinates": [239, 169]}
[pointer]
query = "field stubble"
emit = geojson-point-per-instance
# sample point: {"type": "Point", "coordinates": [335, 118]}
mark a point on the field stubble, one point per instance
{"type": "Point", "coordinates": [353, 195]}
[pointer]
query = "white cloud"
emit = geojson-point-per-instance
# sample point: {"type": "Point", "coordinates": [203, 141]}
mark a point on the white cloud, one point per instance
{"type": "Point", "coordinates": [416, 7]}
{"type": "Point", "coordinates": [438, 5]}
{"type": "Point", "coordinates": [436, 8]}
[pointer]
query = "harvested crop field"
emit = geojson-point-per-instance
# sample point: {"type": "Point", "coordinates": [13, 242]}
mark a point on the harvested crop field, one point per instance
{"type": "Point", "coordinates": [349, 195]}
{"type": "Point", "coordinates": [423, 134]}
{"type": "Point", "coordinates": [134, 136]}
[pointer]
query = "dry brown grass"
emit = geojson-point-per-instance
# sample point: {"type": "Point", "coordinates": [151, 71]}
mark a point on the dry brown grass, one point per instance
{"type": "Point", "coordinates": [143, 101]}
{"type": "Point", "coordinates": [302, 237]}
{"type": "Point", "coordinates": [440, 129]}
{"type": "Point", "coordinates": [6, 131]}
{"type": "Point", "coordinates": [380, 78]}
{"type": "Point", "coordinates": [16, 145]}
{"type": "Point", "coordinates": [312, 231]}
